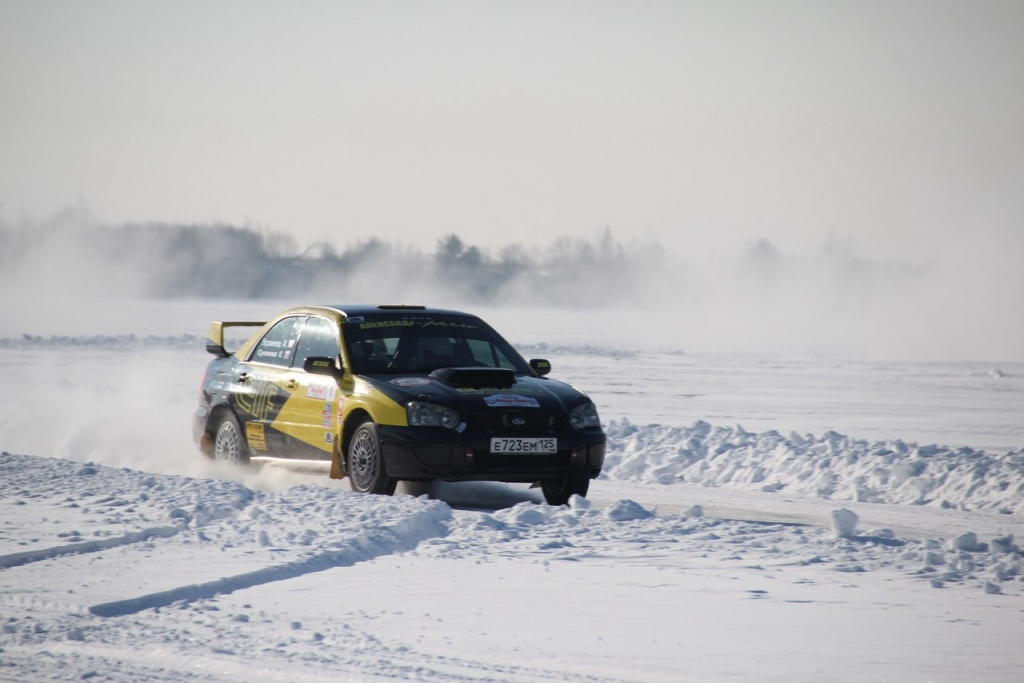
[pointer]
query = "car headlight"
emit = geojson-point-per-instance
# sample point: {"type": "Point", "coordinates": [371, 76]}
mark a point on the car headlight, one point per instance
{"type": "Point", "coordinates": [584, 416]}
{"type": "Point", "coordinates": [430, 415]}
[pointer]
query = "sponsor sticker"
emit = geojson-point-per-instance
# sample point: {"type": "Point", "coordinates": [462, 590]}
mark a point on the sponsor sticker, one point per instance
{"type": "Point", "coordinates": [322, 391]}
{"type": "Point", "coordinates": [329, 437]}
{"type": "Point", "coordinates": [387, 323]}
{"type": "Point", "coordinates": [410, 381]}
{"type": "Point", "coordinates": [444, 323]}
{"type": "Point", "coordinates": [341, 405]}
{"type": "Point", "coordinates": [255, 435]}
{"type": "Point", "coordinates": [511, 401]}
{"type": "Point", "coordinates": [328, 415]}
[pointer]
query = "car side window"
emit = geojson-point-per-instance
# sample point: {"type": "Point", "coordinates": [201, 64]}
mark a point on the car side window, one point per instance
{"type": "Point", "coordinates": [278, 345]}
{"type": "Point", "coordinates": [319, 338]}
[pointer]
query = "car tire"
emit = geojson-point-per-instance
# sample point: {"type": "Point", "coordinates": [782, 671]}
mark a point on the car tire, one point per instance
{"type": "Point", "coordinates": [558, 490]}
{"type": "Point", "coordinates": [365, 462]}
{"type": "Point", "coordinates": [229, 445]}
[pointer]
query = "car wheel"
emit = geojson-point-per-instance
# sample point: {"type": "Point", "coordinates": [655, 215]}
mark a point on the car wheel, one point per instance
{"type": "Point", "coordinates": [365, 464]}
{"type": "Point", "coordinates": [229, 446]}
{"type": "Point", "coordinates": [557, 491]}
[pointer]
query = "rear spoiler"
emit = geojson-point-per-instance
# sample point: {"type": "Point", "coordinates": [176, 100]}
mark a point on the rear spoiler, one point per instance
{"type": "Point", "coordinates": [215, 338]}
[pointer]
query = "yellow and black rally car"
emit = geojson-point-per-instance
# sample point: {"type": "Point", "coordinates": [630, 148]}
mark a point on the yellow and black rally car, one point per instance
{"type": "Point", "coordinates": [390, 393]}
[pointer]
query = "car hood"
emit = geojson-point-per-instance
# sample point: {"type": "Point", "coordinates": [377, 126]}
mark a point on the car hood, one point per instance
{"type": "Point", "coordinates": [519, 392]}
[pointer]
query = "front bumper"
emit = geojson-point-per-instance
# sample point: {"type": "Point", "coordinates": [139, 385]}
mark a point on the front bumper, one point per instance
{"type": "Point", "coordinates": [419, 453]}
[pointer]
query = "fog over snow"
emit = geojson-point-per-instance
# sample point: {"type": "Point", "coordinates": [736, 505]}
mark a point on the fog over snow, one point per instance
{"type": "Point", "coordinates": [835, 178]}
{"type": "Point", "coordinates": [760, 298]}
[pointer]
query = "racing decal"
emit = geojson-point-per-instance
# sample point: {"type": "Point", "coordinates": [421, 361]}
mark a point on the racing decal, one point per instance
{"type": "Point", "coordinates": [270, 348]}
{"type": "Point", "coordinates": [341, 407]}
{"type": "Point", "coordinates": [328, 415]}
{"type": "Point", "coordinates": [255, 435]}
{"type": "Point", "coordinates": [322, 391]}
{"type": "Point", "coordinates": [511, 401]}
{"type": "Point", "coordinates": [410, 381]}
{"type": "Point", "coordinates": [422, 324]}
{"type": "Point", "coordinates": [446, 323]}
{"type": "Point", "coordinates": [260, 403]}
{"type": "Point", "coordinates": [388, 323]}
{"type": "Point", "coordinates": [329, 437]}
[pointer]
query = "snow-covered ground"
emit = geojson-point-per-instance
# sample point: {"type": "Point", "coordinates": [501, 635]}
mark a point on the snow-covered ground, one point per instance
{"type": "Point", "coordinates": [719, 544]}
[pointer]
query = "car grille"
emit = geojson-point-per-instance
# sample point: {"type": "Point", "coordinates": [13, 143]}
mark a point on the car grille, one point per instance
{"type": "Point", "coordinates": [507, 421]}
{"type": "Point", "coordinates": [522, 461]}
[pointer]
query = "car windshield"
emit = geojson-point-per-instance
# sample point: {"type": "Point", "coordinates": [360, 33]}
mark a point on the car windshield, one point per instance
{"type": "Point", "coordinates": [404, 343]}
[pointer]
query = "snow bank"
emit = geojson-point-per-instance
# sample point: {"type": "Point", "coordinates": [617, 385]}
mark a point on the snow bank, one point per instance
{"type": "Point", "coordinates": [157, 608]}
{"type": "Point", "coordinates": [99, 503]}
{"type": "Point", "coordinates": [831, 466]}
{"type": "Point", "coordinates": [626, 529]}
{"type": "Point", "coordinates": [231, 537]}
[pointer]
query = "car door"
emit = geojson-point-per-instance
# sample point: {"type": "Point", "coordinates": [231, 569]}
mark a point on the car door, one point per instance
{"type": "Point", "coordinates": [266, 387]}
{"type": "Point", "coordinates": [309, 420]}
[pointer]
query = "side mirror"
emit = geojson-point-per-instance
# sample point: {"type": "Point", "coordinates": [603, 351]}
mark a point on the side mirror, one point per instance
{"type": "Point", "coordinates": [540, 366]}
{"type": "Point", "coordinates": [322, 365]}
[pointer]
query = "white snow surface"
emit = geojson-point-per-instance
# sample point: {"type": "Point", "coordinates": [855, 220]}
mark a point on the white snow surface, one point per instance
{"type": "Point", "coordinates": [705, 552]}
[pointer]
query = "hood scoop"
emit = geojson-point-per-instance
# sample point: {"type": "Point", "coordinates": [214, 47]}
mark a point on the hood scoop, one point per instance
{"type": "Point", "coordinates": [475, 378]}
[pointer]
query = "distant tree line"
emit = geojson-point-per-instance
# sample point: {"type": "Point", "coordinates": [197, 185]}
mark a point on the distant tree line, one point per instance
{"type": "Point", "coordinates": [218, 260]}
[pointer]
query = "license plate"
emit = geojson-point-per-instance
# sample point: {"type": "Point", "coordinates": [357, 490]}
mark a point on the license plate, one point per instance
{"type": "Point", "coordinates": [540, 445]}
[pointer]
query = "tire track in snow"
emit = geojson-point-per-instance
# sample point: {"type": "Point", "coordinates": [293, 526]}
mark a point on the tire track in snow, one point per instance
{"type": "Point", "coordinates": [29, 556]}
{"type": "Point", "coordinates": [220, 536]}
{"type": "Point", "coordinates": [406, 535]}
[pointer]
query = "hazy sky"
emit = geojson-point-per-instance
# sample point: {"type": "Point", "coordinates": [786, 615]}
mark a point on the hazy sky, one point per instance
{"type": "Point", "coordinates": [702, 124]}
